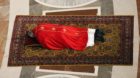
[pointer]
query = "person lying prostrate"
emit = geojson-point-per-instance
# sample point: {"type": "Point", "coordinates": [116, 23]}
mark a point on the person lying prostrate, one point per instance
{"type": "Point", "coordinates": [58, 37]}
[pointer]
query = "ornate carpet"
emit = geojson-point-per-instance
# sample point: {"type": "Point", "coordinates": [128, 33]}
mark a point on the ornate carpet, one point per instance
{"type": "Point", "coordinates": [116, 50]}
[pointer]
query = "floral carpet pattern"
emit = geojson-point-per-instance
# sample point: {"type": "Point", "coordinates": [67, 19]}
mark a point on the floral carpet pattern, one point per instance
{"type": "Point", "coordinates": [117, 48]}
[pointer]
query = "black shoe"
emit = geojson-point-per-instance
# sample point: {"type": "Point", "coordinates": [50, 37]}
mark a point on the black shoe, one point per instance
{"type": "Point", "coordinates": [99, 36]}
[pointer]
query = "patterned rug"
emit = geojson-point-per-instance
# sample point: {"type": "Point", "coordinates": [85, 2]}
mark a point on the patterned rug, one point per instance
{"type": "Point", "coordinates": [116, 50]}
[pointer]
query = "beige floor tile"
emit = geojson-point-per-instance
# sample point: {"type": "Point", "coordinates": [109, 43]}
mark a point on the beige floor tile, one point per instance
{"type": "Point", "coordinates": [3, 34]}
{"type": "Point", "coordinates": [4, 2]}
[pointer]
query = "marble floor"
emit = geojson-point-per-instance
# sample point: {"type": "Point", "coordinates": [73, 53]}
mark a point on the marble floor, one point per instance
{"type": "Point", "coordinates": [22, 7]}
{"type": "Point", "coordinates": [4, 14]}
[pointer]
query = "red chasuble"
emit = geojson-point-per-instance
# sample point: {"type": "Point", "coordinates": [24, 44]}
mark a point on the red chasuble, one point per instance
{"type": "Point", "coordinates": [58, 37]}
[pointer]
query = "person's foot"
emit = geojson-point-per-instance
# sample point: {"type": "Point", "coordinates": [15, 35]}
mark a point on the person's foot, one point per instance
{"type": "Point", "coordinates": [99, 35]}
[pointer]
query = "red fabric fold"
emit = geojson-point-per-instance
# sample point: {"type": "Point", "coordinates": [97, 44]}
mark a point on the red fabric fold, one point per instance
{"type": "Point", "coordinates": [58, 37]}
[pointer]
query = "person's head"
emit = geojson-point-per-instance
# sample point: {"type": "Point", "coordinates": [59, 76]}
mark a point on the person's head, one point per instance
{"type": "Point", "coordinates": [30, 34]}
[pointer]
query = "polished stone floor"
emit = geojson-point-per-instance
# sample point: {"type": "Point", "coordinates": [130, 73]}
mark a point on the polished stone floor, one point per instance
{"type": "Point", "coordinates": [26, 7]}
{"type": "Point", "coordinates": [4, 14]}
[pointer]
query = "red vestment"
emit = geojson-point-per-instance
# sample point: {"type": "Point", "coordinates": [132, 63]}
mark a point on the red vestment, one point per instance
{"type": "Point", "coordinates": [58, 37]}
